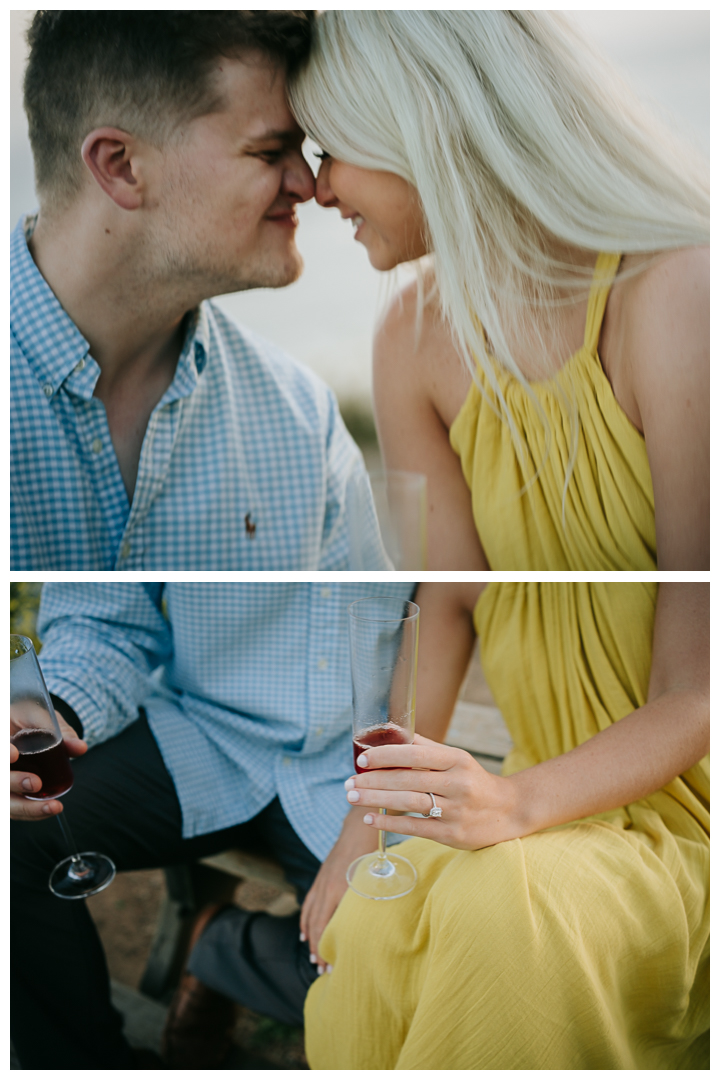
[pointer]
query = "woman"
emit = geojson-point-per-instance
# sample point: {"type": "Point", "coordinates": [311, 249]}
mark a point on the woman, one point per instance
{"type": "Point", "coordinates": [576, 433]}
{"type": "Point", "coordinates": [562, 920]}
{"type": "Point", "coordinates": [561, 915]}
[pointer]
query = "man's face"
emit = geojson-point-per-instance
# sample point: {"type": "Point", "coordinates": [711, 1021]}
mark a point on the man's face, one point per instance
{"type": "Point", "coordinates": [226, 191]}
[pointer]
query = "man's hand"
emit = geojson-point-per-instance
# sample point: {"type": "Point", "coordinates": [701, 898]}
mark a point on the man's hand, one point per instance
{"type": "Point", "coordinates": [24, 783]}
{"type": "Point", "coordinates": [329, 886]}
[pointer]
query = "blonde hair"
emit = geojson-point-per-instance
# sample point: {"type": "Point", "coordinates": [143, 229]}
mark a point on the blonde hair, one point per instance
{"type": "Point", "coordinates": [519, 140]}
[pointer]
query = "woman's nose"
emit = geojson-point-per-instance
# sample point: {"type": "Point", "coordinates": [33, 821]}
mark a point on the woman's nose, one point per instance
{"type": "Point", "coordinates": [324, 194]}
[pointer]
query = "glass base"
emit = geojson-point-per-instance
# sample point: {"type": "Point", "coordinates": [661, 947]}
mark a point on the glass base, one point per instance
{"type": "Point", "coordinates": [379, 877]}
{"type": "Point", "coordinates": [75, 883]}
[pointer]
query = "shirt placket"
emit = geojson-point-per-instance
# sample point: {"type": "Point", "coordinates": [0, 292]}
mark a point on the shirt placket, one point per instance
{"type": "Point", "coordinates": [155, 458]}
{"type": "Point", "coordinates": [152, 472]}
{"type": "Point", "coordinates": [324, 647]}
{"type": "Point", "coordinates": [98, 452]}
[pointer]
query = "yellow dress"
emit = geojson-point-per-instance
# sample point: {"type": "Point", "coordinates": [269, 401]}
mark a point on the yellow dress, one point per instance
{"type": "Point", "coordinates": [584, 946]}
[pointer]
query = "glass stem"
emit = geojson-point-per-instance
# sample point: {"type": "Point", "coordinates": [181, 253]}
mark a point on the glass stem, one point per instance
{"type": "Point", "coordinates": [381, 840]}
{"type": "Point", "coordinates": [79, 868]}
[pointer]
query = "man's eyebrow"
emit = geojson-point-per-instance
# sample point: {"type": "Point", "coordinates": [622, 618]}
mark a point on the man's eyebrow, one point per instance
{"type": "Point", "coordinates": [276, 135]}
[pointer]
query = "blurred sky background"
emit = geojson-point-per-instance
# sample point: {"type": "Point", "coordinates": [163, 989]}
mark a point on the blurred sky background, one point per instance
{"type": "Point", "coordinates": [326, 319]}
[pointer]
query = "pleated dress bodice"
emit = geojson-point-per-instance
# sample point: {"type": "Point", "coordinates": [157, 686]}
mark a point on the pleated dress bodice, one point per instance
{"type": "Point", "coordinates": [525, 516]}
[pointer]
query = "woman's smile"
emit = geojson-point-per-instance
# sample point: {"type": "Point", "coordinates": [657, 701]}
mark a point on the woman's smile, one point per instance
{"type": "Point", "coordinates": [358, 222]}
{"type": "Point", "coordinates": [384, 209]}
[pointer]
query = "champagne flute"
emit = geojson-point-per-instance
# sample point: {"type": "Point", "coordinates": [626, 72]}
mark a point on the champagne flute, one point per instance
{"type": "Point", "coordinates": [35, 732]}
{"type": "Point", "coordinates": [383, 658]}
{"type": "Point", "coordinates": [401, 504]}
{"type": "Point", "coordinates": [398, 508]}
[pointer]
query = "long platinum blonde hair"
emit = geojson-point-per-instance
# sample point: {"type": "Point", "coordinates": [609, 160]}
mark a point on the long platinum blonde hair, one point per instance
{"type": "Point", "coordinates": [521, 143]}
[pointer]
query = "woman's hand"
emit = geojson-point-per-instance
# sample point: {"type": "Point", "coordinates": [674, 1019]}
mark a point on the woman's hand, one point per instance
{"type": "Point", "coordinates": [330, 884]}
{"type": "Point", "coordinates": [478, 808]}
{"type": "Point", "coordinates": [626, 761]}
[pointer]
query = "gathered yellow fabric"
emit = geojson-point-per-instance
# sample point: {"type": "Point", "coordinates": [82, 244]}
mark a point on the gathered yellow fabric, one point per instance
{"type": "Point", "coordinates": [607, 518]}
{"type": "Point", "coordinates": [584, 946]}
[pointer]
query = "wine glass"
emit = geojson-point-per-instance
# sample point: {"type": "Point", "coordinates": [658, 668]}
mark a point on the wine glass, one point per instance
{"type": "Point", "coordinates": [401, 504]}
{"type": "Point", "coordinates": [398, 508]}
{"type": "Point", "coordinates": [35, 732]}
{"type": "Point", "coordinates": [383, 659]}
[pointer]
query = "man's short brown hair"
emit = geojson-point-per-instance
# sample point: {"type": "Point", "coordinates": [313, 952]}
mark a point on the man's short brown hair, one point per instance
{"type": "Point", "coordinates": [142, 71]}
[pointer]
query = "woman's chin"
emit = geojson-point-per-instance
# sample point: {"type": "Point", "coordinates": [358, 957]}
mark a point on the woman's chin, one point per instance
{"type": "Point", "coordinates": [383, 260]}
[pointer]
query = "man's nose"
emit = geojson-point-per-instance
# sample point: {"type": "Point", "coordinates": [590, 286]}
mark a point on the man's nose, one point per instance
{"type": "Point", "coordinates": [324, 194]}
{"type": "Point", "coordinates": [298, 179]}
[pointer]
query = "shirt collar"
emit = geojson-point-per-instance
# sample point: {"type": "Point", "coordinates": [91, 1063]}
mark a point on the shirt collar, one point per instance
{"type": "Point", "coordinates": [48, 337]}
{"type": "Point", "coordinates": [55, 348]}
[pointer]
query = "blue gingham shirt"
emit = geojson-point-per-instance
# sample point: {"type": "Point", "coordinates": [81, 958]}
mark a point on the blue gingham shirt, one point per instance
{"type": "Point", "coordinates": [246, 687]}
{"type": "Point", "coordinates": [245, 465]}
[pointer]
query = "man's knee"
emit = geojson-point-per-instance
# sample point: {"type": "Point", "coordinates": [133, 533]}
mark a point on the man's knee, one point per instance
{"type": "Point", "coordinates": [258, 961]}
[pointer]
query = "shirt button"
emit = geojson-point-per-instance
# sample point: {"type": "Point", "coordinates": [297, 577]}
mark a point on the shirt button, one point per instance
{"type": "Point", "coordinates": [318, 731]}
{"type": "Point", "coordinates": [322, 663]}
{"type": "Point", "coordinates": [326, 593]}
{"type": "Point", "coordinates": [287, 760]}
{"type": "Point", "coordinates": [97, 446]}
{"type": "Point", "coordinates": [79, 366]}
{"type": "Point", "coordinates": [125, 550]}
{"type": "Point", "coordinates": [48, 389]}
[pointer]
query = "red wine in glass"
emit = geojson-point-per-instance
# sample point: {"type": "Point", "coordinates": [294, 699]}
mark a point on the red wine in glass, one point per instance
{"type": "Point", "coordinates": [35, 732]}
{"type": "Point", "coordinates": [44, 755]}
{"type": "Point", "coordinates": [387, 735]}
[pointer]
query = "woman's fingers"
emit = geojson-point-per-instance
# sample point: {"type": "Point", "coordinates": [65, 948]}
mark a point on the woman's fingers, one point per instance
{"type": "Point", "coordinates": [421, 754]}
{"type": "Point", "coordinates": [440, 783]}
{"type": "Point", "coordinates": [414, 802]}
{"type": "Point", "coordinates": [427, 828]}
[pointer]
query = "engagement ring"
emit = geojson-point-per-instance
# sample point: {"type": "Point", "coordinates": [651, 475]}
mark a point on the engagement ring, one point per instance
{"type": "Point", "coordinates": [436, 810]}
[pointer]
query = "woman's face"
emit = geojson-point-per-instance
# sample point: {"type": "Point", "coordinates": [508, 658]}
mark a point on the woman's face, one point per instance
{"type": "Point", "coordinates": [384, 208]}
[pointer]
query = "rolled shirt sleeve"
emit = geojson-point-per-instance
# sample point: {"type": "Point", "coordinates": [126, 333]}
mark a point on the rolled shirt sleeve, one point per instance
{"type": "Point", "coordinates": [101, 645]}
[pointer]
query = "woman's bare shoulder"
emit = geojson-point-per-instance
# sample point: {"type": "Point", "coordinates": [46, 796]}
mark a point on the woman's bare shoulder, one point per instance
{"type": "Point", "coordinates": [669, 357]}
{"type": "Point", "coordinates": [418, 348]}
{"type": "Point", "coordinates": [668, 300]}
{"type": "Point", "coordinates": [398, 325]}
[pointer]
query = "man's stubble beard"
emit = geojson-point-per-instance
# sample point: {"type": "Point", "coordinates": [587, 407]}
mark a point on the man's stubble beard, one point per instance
{"type": "Point", "coordinates": [201, 274]}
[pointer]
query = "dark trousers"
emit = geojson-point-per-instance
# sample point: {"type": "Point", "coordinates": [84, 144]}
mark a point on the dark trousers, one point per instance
{"type": "Point", "coordinates": [123, 803]}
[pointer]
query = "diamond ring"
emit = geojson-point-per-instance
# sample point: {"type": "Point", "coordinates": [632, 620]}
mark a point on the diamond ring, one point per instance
{"type": "Point", "coordinates": [436, 811]}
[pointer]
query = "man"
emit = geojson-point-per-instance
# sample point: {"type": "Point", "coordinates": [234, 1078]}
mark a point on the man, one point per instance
{"type": "Point", "coordinates": [148, 431]}
{"type": "Point", "coordinates": [217, 715]}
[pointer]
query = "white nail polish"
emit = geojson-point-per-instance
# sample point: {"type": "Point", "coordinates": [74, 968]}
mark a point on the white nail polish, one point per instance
{"type": "Point", "coordinates": [353, 796]}
{"type": "Point", "coordinates": [328, 969]}
{"type": "Point", "coordinates": [321, 970]}
{"type": "Point", "coordinates": [350, 784]}
{"type": "Point", "coordinates": [362, 761]}
{"type": "Point", "coordinates": [313, 958]}
{"type": "Point", "coordinates": [302, 936]}
{"type": "Point", "coordinates": [368, 819]}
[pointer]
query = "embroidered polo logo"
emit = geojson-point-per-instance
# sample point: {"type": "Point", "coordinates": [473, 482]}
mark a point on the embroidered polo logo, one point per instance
{"type": "Point", "coordinates": [250, 525]}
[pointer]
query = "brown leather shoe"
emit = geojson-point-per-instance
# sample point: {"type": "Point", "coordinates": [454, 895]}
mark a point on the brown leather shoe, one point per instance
{"type": "Point", "coordinates": [200, 1021]}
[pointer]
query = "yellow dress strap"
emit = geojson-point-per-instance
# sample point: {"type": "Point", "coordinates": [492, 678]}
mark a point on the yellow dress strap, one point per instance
{"type": "Point", "coordinates": [606, 268]}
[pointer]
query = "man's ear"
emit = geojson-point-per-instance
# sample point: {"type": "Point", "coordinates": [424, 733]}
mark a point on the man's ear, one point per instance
{"type": "Point", "coordinates": [108, 154]}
